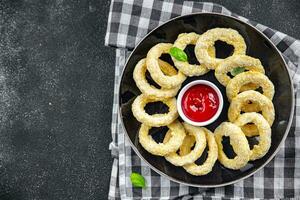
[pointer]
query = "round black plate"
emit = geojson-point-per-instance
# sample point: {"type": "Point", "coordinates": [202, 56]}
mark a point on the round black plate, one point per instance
{"type": "Point", "coordinates": [258, 46]}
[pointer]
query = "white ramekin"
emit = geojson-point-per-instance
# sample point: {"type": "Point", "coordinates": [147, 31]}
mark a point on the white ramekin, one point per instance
{"type": "Point", "coordinates": [185, 88]}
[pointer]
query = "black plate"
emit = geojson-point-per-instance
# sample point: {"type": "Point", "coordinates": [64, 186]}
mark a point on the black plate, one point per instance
{"type": "Point", "coordinates": [258, 46]}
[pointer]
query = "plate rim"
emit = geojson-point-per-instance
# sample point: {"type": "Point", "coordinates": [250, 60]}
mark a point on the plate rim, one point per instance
{"type": "Point", "coordinates": [221, 184]}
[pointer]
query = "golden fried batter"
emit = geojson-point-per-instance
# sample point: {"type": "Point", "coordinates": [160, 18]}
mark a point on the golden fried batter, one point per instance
{"type": "Point", "coordinates": [155, 71]}
{"type": "Point", "coordinates": [235, 84]}
{"type": "Point", "coordinates": [207, 166]}
{"type": "Point", "coordinates": [208, 39]}
{"type": "Point", "coordinates": [139, 76]}
{"type": "Point", "coordinates": [155, 120]}
{"type": "Point", "coordinates": [264, 132]}
{"type": "Point", "coordinates": [263, 104]}
{"type": "Point", "coordinates": [238, 142]}
{"type": "Point", "coordinates": [182, 41]}
{"type": "Point", "coordinates": [176, 135]}
{"type": "Point", "coordinates": [249, 63]}
{"type": "Point", "coordinates": [191, 157]}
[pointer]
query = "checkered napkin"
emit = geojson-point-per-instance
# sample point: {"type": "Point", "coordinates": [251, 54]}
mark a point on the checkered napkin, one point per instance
{"type": "Point", "coordinates": [128, 22]}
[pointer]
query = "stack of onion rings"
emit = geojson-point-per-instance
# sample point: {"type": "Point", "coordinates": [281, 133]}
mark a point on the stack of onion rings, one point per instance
{"type": "Point", "coordinates": [176, 136]}
{"type": "Point", "coordinates": [184, 144]}
{"type": "Point", "coordinates": [193, 155]}
{"type": "Point", "coordinates": [139, 75]}
{"type": "Point", "coordinates": [264, 132]}
{"type": "Point", "coordinates": [235, 84]}
{"type": "Point", "coordinates": [263, 103]}
{"type": "Point", "coordinates": [185, 151]}
{"type": "Point", "coordinates": [239, 144]}
{"type": "Point", "coordinates": [182, 41]}
{"type": "Point", "coordinates": [155, 70]}
{"type": "Point", "coordinates": [249, 63]}
{"type": "Point", "coordinates": [207, 166]}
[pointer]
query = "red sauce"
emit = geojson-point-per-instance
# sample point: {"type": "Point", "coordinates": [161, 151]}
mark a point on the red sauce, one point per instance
{"type": "Point", "coordinates": [200, 103]}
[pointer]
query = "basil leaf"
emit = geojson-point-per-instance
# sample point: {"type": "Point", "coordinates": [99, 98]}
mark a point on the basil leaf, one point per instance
{"type": "Point", "coordinates": [178, 54]}
{"type": "Point", "coordinates": [137, 180]}
{"type": "Point", "coordinates": [237, 71]}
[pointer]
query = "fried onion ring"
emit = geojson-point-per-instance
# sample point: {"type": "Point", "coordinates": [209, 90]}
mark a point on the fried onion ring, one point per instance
{"type": "Point", "coordinates": [250, 106]}
{"type": "Point", "coordinates": [182, 41]}
{"type": "Point", "coordinates": [208, 39]}
{"type": "Point", "coordinates": [260, 103]}
{"type": "Point", "coordinates": [239, 144]}
{"type": "Point", "coordinates": [250, 130]}
{"type": "Point", "coordinates": [176, 136]}
{"type": "Point", "coordinates": [155, 120]}
{"type": "Point", "coordinates": [206, 167]}
{"type": "Point", "coordinates": [139, 76]}
{"type": "Point", "coordinates": [264, 132]}
{"type": "Point", "coordinates": [187, 145]}
{"type": "Point", "coordinates": [249, 86]}
{"type": "Point", "coordinates": [191, 157]}
{"type": "Point", "coordinates": [155, 71]}
{"type": "Point", "coordinates": [235, 84]}
{"type": "Point", "coordinates": [249, 63]}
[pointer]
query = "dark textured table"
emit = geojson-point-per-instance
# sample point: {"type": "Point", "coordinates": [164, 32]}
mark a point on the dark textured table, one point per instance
{"type": "Point", "coordinates": [56, 88]}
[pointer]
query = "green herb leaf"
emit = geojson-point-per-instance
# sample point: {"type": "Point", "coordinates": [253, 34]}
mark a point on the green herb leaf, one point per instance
{"type": "Point", "coordinates": [178, 54]}
{"type": "Point", "coordinates": [137, 180]}
{"type": "Point", "coordinates": [237, 71]}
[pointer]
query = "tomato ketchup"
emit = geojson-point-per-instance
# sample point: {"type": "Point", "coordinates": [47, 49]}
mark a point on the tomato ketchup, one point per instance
{"type": "Point", "coordinates": [200, 103]}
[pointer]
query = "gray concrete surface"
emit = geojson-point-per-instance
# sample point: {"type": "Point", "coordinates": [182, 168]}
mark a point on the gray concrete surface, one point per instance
{"type": "Point", "coordinates": [56, 87]}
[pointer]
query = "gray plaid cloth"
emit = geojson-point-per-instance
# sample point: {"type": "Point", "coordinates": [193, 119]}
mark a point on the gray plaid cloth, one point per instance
{"type": "Point", "coordinates": [128, 22]}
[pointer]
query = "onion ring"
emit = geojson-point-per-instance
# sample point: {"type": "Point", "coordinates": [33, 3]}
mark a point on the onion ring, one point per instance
{"type": "Point", "coordinates": [188, 143]}
{"type": "Point", "coordinates": [207, 166]}
{"type": "Point", "coordinates": [249, 63]}
{"type": "Point", "coordinates": [155, 71]}
{"type": "Point", "coordinates": [182, 41]}
{"type": "Point", "coordinates": [250, 130]}
{"type": "Point", "coordinates": [176, 136]}
{"type": "Point", "coordinates": [239, 144]}
{"type": "Point", "coordinates": [261, 103]}
{"type": "Point", "coordinates": [251, 106]}
{"type": "Point", "coordinates": [264, 132]}
{"type": "Point", "coordinates": [155, 120]}
{"type": "Point", "coordinates": [200, 145]}
{"type": "Point", "coordinates": [235, 84]}
{"type": "Point", "coordinates": [208, 39]}
{"type": "Point", "coordinates": [139, 76]}
{"type": "Point", "coordinates": [249, 86]}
